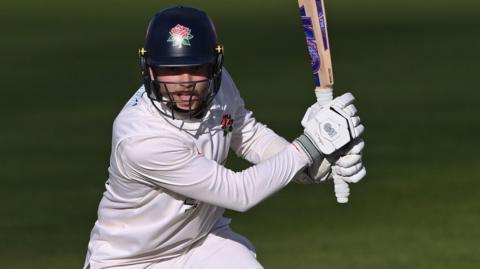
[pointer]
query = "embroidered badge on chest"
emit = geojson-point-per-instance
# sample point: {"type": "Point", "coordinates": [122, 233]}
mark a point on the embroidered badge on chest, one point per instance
{"type": "Point", "coordinates": [226, 124]}
{"type": "Point", "coordinates": [180, 36]}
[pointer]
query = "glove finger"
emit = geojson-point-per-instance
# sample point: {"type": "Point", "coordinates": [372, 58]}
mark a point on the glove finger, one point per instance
{"type": "Point", "coordinates": [349, 160]}
{"type": "Point", "coordinates": [357, 177]}
{"type": "Point", "coordinates": [342, 191]}
{"type": "Point", "coordinates": [348, 171]}
{"type": "Point", "coordinates": [343, 100]}
{"type": "Point", "coordinates": [355, 120]}
{"type": "Point", "coordinates": [358, 131]}
{"type": "Point", "coordinates": [351, 110]}
{"type": "Point", "coordinates": [354, 178]}
{"type": "Point", "coordinates": [356, 146]}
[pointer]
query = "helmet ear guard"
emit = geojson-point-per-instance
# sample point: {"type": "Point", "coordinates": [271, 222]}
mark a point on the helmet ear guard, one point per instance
{"type": "Point", "coordinates": [147, 82]}
{"type": "Point", "coordinates": [219, 62]}
{"type": "Point", "coordinates": [217, 71]}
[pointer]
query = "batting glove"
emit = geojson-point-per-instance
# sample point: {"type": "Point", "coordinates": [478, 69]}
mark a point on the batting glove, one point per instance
{"type": "Point", "coordinates": [319, 171]}
{"type": "Point", "coordinates": [330, 127]}
{"type": "Point", "coordinates": [345, 164]}
{"type": "Point", "coordinates": [349, 166]}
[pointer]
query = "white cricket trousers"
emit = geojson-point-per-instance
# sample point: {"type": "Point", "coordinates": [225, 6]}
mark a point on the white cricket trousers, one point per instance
{"type": "Point", "coordinates": [221, 249]}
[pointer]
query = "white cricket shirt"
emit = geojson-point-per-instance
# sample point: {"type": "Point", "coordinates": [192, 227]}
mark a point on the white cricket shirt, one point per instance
{"type": "Point", "coordinates": [167, 186]}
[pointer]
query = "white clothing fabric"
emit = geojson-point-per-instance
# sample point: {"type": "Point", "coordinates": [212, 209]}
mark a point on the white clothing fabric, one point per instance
{"type": "Point", "coordinates": [167, 186]}
{"type": "Point", "coordinates": [220, 249]}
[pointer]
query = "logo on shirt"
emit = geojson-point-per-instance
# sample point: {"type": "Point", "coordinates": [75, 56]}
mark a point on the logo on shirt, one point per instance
{"type": "Point", "coordinates": [226, 124]}
{"type": "Point", "coordinates": [180, 36]}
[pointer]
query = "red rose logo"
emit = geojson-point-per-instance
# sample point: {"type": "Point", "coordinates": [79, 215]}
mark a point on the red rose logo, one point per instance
{"type": "Point", "coordinates": [180, 36]}
{"type": "Point", "coordinates": [226, 124]}
{"type": "Point", "coordinates": [180, 30]}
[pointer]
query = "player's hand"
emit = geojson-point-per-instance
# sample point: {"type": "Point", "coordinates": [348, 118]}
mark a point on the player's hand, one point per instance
{"type": "Point", "coordinates": [330, 127]}
{"type": "Point", "coordinates": [318, 172]}
{"type": "Point", "coordinates": [345, 164]}
{"type": "Point", "coordinates": [349, 166]}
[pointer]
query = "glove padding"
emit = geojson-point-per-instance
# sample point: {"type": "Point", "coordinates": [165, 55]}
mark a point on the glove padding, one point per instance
{"type": "Point", "coordinates": [349, 165]}
{"type": "Point", "coordinates": [319, 171]}
{"type": "Point", "coordinates": [328, 128]}
{"type": "Point", "coordinates": [345, 164]}
{"type": "Point", "coordinates": [348, 168]}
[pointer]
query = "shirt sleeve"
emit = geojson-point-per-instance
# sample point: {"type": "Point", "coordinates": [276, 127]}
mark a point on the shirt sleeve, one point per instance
{"type": "Point", "coordinates": [251, 140]}
{"type": "Point", "coordinates": [169, 163]}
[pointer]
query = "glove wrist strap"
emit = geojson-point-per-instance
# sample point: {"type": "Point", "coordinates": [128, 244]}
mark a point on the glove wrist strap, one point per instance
{"type": "Point", "coordinates": [308, 147]}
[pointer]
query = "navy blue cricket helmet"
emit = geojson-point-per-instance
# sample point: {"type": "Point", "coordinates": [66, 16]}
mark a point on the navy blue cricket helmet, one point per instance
{"type": "Point", "coordinates": [181, 37]}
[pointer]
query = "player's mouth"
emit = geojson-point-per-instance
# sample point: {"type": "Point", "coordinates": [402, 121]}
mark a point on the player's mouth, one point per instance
{"type": "Point", "coordinates": [185, 97]}
{"type": "Point", "coordinates": [185, 100]}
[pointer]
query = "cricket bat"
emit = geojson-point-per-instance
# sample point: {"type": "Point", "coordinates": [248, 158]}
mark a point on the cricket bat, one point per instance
{"type": "Point", "coordinates": [314, 21]}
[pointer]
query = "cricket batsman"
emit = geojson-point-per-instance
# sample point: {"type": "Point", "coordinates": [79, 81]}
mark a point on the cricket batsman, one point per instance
{"type": "Point", "coordinates": [168, 187]}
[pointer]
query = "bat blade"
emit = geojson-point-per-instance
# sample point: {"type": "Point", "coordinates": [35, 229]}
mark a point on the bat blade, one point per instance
{"type": "Point", "coordinates": [314, 21]}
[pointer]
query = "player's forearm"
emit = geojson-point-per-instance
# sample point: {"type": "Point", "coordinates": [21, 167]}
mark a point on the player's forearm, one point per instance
{"type": "Point", "coordinates": [167, 163]}
{"type": "Point", "coordinates": [273, 146]}
{"type": "Point", "coordinates": [259, 144]}
{"type": "Point", "coordinates": [207, 181]}
{"type": "Point", "coordinates": [256, 183]}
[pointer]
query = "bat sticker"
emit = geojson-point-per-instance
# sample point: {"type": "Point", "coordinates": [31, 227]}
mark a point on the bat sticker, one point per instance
{"type": "Point", "coordinates": [323, 24]}
{"type": "Point", "coordinates": [312, 45]}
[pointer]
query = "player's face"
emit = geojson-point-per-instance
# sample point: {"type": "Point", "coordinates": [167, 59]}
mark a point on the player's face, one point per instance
{"type": "Point", "coordinates": [186, 86]}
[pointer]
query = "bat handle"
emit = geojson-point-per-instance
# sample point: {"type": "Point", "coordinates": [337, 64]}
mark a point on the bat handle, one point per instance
{"type": "Point", "coordinates": [324, 95]}
{"type": "Point", "coordinates": [342, 190]}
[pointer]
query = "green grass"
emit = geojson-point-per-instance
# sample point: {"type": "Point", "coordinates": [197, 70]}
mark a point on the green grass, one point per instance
{"type": "Point", "coordinates": [67, 69]}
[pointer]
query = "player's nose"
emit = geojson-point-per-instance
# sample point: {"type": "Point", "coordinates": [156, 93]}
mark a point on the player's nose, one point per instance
{"type": "Point", "coordinates": [185, 79]}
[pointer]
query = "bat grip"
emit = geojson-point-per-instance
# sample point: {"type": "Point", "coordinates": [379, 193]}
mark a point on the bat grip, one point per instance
{"type": "Point", "coordinates": [324, 96]}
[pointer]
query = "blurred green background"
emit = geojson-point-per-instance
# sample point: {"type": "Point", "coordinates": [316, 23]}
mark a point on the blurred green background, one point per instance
{"type": "Point", "coordinates": [67, 68]}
